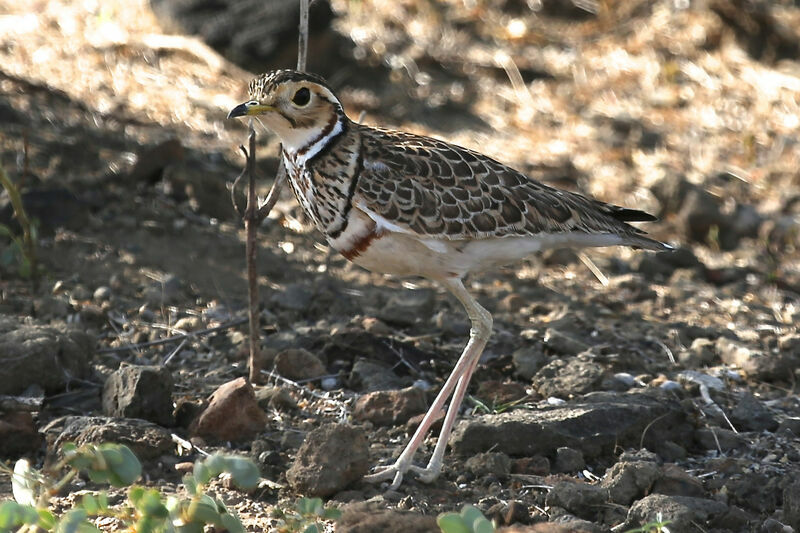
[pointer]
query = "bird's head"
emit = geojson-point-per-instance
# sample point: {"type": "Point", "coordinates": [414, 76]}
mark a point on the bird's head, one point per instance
{"type": "Point", "coordinates": [297, 106]}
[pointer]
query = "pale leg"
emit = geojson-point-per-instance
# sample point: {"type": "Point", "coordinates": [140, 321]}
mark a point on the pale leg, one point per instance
{"type": "Point", "coordinates": [456, 383]}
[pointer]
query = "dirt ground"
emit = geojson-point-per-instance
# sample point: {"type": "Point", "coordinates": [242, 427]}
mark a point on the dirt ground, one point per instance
{"type": "Point", "coordinates": [118, 133]}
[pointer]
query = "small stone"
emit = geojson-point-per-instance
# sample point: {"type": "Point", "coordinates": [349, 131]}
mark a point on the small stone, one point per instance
{"type": "Point", "coordinates": [140, 392]}
{"type": "Point", "coordinates": [376, 326]}
{"type": "Point", "coordinates": [489, 463]}
{"type": "Point", "coordinates": [498, 393]}
{"type": "Point", "coordinates": [537, 466]}
{"type": "Point", "coordinates": [720, 439]}
{"type": "Point", "coordinates": [297, 363]}
{"type": "Point", "coordinates": [331, 457]}
{"type": "Point", "coordinates": [791, 504]}
{"type": "Point", "coordinates": [18, 434]}
{"type": "Point", "coordinates": [527, 361]}
{"type": "Point", "coordinates": [102, 294]}
{"type": "Point", "coordinates": [232, 414]}
{"type": "Point", "coordinates": [568, 460]}
{"type": "Point", "coordinates": [752, 415]}
{"type": "Point", "coordinates": [294, 297]}
{"type": "Point", "coordinates": [189, 323]}
{"type": "Point", "coordinates": [676, 481]}
{"type": "Point", "coordinates": [373, 520]}
{"type": "Point", "coordinates": [580, 499]}
{"type": "Point", "coordinates": [374, 376]}
{"type": "Point", "coordinates": [50, 307]}
{"type": "Point", "coordinates": [669, 385]}
{"type": "Point", "coordinates": [511, 303]}
{"type": "Point", "coordinates": [683, 512]}
{"type": "Point", "coordinates": [275, 398]}
{"type": "Point", "coordinates": [565, 378]}
{"type": "Point", "coordinates": [563, 343]}
{"type": "Point", "coordinates": [388, 408]}
{"type": "Point", "coordinates": [404, 309]}
{"type": "Point", "coordinates": [701, 353]}
{"type": "Point", "coordinates": [627, 481]}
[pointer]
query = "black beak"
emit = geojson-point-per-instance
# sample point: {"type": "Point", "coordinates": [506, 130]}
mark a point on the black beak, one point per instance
{"type": "Point", "coordinates": [238, 111]}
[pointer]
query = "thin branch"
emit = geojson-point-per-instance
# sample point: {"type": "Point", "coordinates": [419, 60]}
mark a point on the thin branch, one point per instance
{"type": "Point", "coordinates": [167, 340]}
{"type": "Point", "coordinates": [302, 40]}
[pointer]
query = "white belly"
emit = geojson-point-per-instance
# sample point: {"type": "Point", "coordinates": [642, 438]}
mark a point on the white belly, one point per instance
{"type": "Point", "coordinates": [388, 251]}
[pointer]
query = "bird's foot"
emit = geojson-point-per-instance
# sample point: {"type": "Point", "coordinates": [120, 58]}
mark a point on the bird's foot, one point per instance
{"type": "Point", "coordinates": [397, 471]}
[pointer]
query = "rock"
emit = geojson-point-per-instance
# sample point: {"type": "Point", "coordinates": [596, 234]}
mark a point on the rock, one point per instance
{"type": "Point", "coordinates": [189, 323]}
{"type": "Point", "coordinates": [356, 521]}
{"type": "Point", "coordinates": [489, 463]}
{"type": "Point", "coordinates": [595, 425]}
{"type": "Point", "coordinates": [791, 504]}
{"type": "Point", "coordinates": [232, 414]}
{"type": "Point", "coordinates": [275, 398]}
{"type": "Point", "coordinates": [683, 512]}
{"type": "Point", "coordinates": [253, 34]}
{"type": "Point", "coordinates": [51, 307]}
{"type": "Point", "coordinates": [331, 457]}
{"type": "Point", "coordinates": [559, 257]}
{"type": "Point", "coordinates": [699, 215]}
{"type": "Point", "coordinates": [701, 353]}
{"type": "Point", "coordinates": [534, 466]}
{"type": "Point", "coordinates": [299, 364]}
{"type": "Point", "coordinates": [581, 499]}
{"type": "Point", "coordinates": [152, 160]}
{"type": "Point", "coordinates": [627, 481]}
{"type": "Point", "coordinates": [139, 392]}
{"type": "Point", "coordinates": [789, 344]}
{"type": "Point", "coordinates": [567, 378]}
{"type": "Point", "coordinates": [563, 343]}
{"type": "Point", "coordinates": [72, 213]}
{"type": "Point", "coordinates": [294, 297]}
{"type": "Point", "coordinates": [756, 364]}
{"type": "Point", "coordinates": [18, 435]}
{"type": "Point", "coordinates": [527, 361]}
{"type": "Point", "coordinates": [407, 307]}
{"type": "Point", "coordinates": [372, 376]}
{"type": "Point", "coordinates": [568, 460]}
{"type": "Point", "coordinates": [166, 290]}
{"type": "Point", "coordinates": [752, 415]}
{"type": "Point", "coordinates": [102, 294]}
{"type": "Point", "coordinates": [26, 350]}
{"type": "Point", "coordinates": [497, 393]}
{"type": "Point", "coordinates": [389, 408]}
{"type": "Point", "coordinates": [203, 185]}
{"type": "Point", "coordinates": [675, 481]}
{"type": "Point", "coordinates": [720, 439]}
{"type": "Point", "coordinates": [574, 525]}
{"type": "Point", "coordinates": [671, 192]}
{"type": "Point", "coordinates": [145, 439]}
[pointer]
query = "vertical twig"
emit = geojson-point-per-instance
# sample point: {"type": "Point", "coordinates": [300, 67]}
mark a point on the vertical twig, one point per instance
{"type": "Point", "coordinates": [254, 213]}
{"type": "Point", "coordinates": [302, 39]}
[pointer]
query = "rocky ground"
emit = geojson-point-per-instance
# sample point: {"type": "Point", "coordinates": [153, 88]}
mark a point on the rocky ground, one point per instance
{"type": "Point", "coordinates": [663, 387]}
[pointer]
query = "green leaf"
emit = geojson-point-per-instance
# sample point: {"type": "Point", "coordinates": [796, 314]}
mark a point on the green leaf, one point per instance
{"type": "Point", "coordinates": [332, 513]}
{"type": "Point", "coordinates": [201, 473]}
{"type": "Point", "coordinates": [312, 528]}
{"type": "Point", "coordinates": [202, 511]}
{"type": "Point", "coordinates": [46, 519]}
{"type": "Point", "coordinates": [151, 505]}
{"type": "Point", "coordinates": [452, 523]}
{"type": "Point", "coordinates": [482, 525]}
{"type": "Point", "coordinates": [102, 500]}
{"type": "Point", "coordinates": [244, 472]}
{"type": "Point", "coordinates": [89, 503]}
{"type": "Point", "coordinates": [232, 523]}
{"type": "Point", "coordinates": [124, 468]}
{"type": "Point", "coordinates": [216, 464]}
{"type": "Point", "coordinates": [191, 527]}
{"type": "Point", "coordinates": [190, 484]}
{"type": "Point", "coordinates": [470, 514]}
{"type": "Point", "coordinates": [13, 515]}
{"type": "Point", "coordinates": [135, 494]}
{"type": "Point", "coordinates": [74, 521]}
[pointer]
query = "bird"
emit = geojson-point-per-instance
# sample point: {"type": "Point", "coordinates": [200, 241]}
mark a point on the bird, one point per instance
{"type": "Point", "coordinates": [410, 205]}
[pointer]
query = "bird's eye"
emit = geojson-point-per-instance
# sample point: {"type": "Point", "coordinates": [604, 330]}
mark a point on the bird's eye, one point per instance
{"type": "Point", "coordinates": [301, 97]}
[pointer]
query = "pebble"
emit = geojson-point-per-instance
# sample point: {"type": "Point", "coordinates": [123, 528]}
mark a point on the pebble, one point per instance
{"type": "Point", "coordinates": [102, 294]}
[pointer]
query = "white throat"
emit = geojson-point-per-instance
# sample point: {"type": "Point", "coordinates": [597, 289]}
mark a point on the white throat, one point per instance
{"type": "Point", "coordinates": [303, 144]}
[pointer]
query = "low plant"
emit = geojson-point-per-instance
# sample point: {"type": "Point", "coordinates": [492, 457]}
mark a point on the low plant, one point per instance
{"type": "Point", "coordinates": [146, 510]}
{"type": "Point", "coordinates": [22, 250]}
{"type": "Point", "coordinates": [306, 516]}
{"type": "Point", "coordinates": [469, 520]}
